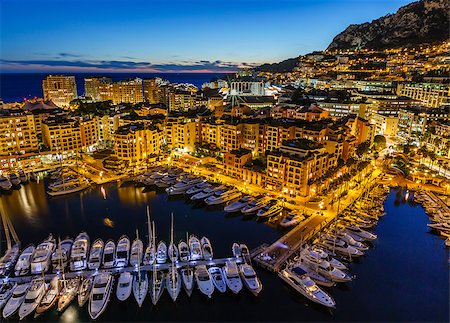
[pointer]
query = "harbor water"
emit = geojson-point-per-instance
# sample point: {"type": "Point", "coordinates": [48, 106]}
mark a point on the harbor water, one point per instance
{"type": "Point", "coordinates": [403, 277]}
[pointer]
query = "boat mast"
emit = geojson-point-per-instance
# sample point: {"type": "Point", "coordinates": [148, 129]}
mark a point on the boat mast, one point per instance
{"type": "Point", "coordinates": [149, 226]}
{"type": "Point", "coordinates": [154, 260]}
{"type": "Point", "coordinates": [138, 263]}
{"type": "Point", "coordinates": [173, 252]}
{"type": "Point", "coordinates": [61, 262]}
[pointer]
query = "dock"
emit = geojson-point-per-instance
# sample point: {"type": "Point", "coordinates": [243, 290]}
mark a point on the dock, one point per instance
{"type": "Point", "coordinates": [117, 270]}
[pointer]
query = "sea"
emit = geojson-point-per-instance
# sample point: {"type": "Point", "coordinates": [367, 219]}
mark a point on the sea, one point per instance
{"type": "Point", "coordinates": [403, 277]}
{"type": "Point", "coordinates": [16, 87]}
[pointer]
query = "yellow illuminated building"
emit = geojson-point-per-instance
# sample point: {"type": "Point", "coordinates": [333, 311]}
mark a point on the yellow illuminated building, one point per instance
{"type": "Point", "coordinates": [61, 89]}
{"type": "Point", "coordinates": [17, 132]}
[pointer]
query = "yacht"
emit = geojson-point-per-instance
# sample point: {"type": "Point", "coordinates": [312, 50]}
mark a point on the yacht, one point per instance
{"type": "Point", "coordinates": [95, 255]}
{"type": "Point", "coordinates": [101, 291]}
{"type": "Point", "coordinates": [324, 268]}
{"type": "Point", "coordinates": [206, 248]}
{"type": "Point", "coordinates": [161, 253]}
{"type": "Point", "coordinates": [183, 186]}
{"type": "Point", "coordinates": [245, 253]}
{"type": "Point", "coordinates": [22, 176]}
{"type": "Point", "coordinates": [6, 291]}
{"type": "Point", "coordinates": [223, 196]}
{"type": "Point", "coordinates": [124, 286]}
{"type": "Point", "coordinates": [33, 297]}
{"type": "Point", "coordinates": [314, 275]}
{"type": "Point", "coordinates": [5, 184]}
{"type": "Point", "coordinates": [33, 176]}
{"type": "Point", "coordinates": [250, 279]}
{"type": "Point", "coordinates": [40, 262]}
{"type": "Point", "coordinates": [291, 219]}
{"type": "Point", "coordinates": [17, 298]}
{"type": "Point", "coordinates": [156, 285]}
{"type": "Point", "coordinates": [198, 188]}
{"type": "Point", "coordinates": [218, 279]}
{"type": "Point", "coordinates": [270, 209]}
{"type": "Point", "coordinates": [342, 247]}
{"type": "Point", "coordinates": [352, 242]}
{"type": "Point", "coordinates": [236, 248]}
{"type": "Point", "coordinates": [232, 278]}
{"type": "Point", "coordinates": [23, 263]}
{"type": "Point", "coordinates": [183, 250]}
{"type": "Point", "coordinates": [318, 253]}
{"type": "Point", "coordinates": [173, 283]}
{"type": "Point", "coordinates": [50, 297]}
{"type": "Point", "coordinates": [238, 205]}
{"type": "Point", "coordinates": [137, 250]}
{"type": "Point", "coordinates": [254, 205]}
{"type": "Point", "coordinates": [85, 290]}
{"type": "Point", "coordinates": [303, 284]}
{"type": "Point", "coordinates": [79, 252]}
{"type": "Point", "coordinates": [109, 254]}
{"type": "Point", "coordinates": [8, 261]}
{"type": "Point", "coordinates": [68, 293]}
{"type": "Point", "coordinates": [207, 192]}
{"type": "Point", "coordinates": [204, 281]}
{"type": "Point", "coordinates": [362, 233]}
{"type": "Point", "coordinates": [69, 189]}
{"type": "Point", "coordinates": [60, 257]}
{"type": "Point", "coordinates": [122, 251]}
{"type": "Point", "coordinates": [195, 248]}
{"type": "Point", "coordinates": [187, 277]}
{"type": "Point", "coordinates": [140, 286]}
{"type": "Point", "coordinates": [172, 252]}
{"type": "Point", "coordinates": [14, 180]}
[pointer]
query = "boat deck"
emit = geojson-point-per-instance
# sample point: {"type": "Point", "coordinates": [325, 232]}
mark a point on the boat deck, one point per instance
{"type": "Point", "coordinates": [114, 270]}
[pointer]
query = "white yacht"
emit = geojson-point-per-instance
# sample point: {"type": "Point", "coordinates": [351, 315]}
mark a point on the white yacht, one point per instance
{"type": "Point", "coordinates": [303, 284]}
{"type": "Point", "coordinates": [204, 281]}
{"type": "Point", "coordinates": [238, 205]}
{"type": "Point", "coordinates": [6, 291]}
{"type": "Point", "coordinates": [124, 286]}
{"type": "Point", "coordinates": [172, 252]}
{"type": "Point", "coordinates": [352, 242]}
{"type": "Point", "coordinates": [319, 253]}
{"type": "Point", "coordinates": [232, 278]}
{"type": "Point", "coordinates": [187, 276]}
{"type": "Point", "coordinates": [183, 186]}
{"type": "Point", "coordinates": [314, 275]}
{"type": "Point", "coordinates": [173, 283]}
{"type": "Point", "coordinates": [156, 285]}
{"type": "Point", "coordinates": [23, 263]}
{"type": "Point", "coordinates": [362, 233]}
{"type": "Point", "coordinates": [68, 293]}
{"type": "Point", "coordinates": [79, 252]}
{"type": "Point", "coordinates": [17, 298]}
{"type": "Point", "coordinates": [254, 205]}
{"type": "Point", "coordinates": [292, 218]}
{"type": "Point", "coordinates": [101, 291]}
{"type": "Point", "coordinates": [85, 290]}
{"type": "Point", "coordinates": [95, 255]}
{"type": "Point", "coordinates": [207, 192]}
{"type": "Point", "coordinates": [137, 250]}
{"type": "Point", "coordinates": [40, 262]}
{"type": "Point", "coordinates": [198, 188]}
{"type": "Point", "coordinates": [14, 180]}
{"type": "Point", "coordinates": [342, 247]}
{"type": "Point", "coordinates": [236, 249]}
{"type": "Point", "coordinates": [69, 189]}
{"type": "Point", "coordinates": [251, 281]}
{"type": "Point", "coordinates": [218, 279]}
{"type": "Point", "coordinates": [9, 259]}
{"type": "Point", "coordinates": [61, 256]}
{"type": "Point", "coordinates": [206, 248]}
{"type": "Point", "coordinates": [50, 297]}
{"type": "Point", "coordinates": [183, 250]}
{"type": "Point", "coordinates": [5, 184]}
{"type": "Point", "coordinates": [140, 286]}
{"type": "Point", "coordinates": [195, 248]}
{"type": "Point", "coordinates": [33, 297]}
{"type": "Point", "coordinates": [161, 253]}
{"type": "Point", "coordinates": [245, 253]}
{"type": "Point", "coordinates": [122, 252]}
{"type": "Point", "coordinates": [273, 207]}
{"type": "Point", "coordinates": [223, 196]}
{"type": "Point", "coordinates": [109, 254]}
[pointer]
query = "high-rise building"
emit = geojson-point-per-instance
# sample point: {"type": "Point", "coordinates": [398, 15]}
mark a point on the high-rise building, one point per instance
{"type": "Point", "coordinates": [94, 88]}
{"type": "Point", "coordinates": [17, 132]}
{"type": "Point", "coordinates": [155, 90]}
{"type": "Point", "coordinates": [127, 91]}
{"type": "Point", "coordinates": [431, 95]}
{"type": "Point", "coordinates": [180, 100]}
{"type": "Point", "coordinates": [61, 89]}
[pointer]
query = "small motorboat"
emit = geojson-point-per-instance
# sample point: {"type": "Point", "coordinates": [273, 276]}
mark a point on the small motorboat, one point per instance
{"type": "Point", "coordinates": [204, 281]}
{"type": "Point", "coordinates": [5, 184]}
{"type": "Point", "coordinates": [149, 255]}
{"type": "Point", "coordinates": [254, 205]}
{"type": "Point", "coordinates": [33, 297]}
{"type": "Point", "coordinates": [218, 279]}
{"type": "Point", "coordinates": [22, 176]}
{"type": "Point", "coordinates": [109, 254]}
{"type": "Point", "coordinates": [137, 250]}
{"type": "Point", "coordinates": [23, 263]}
{"type": "Point", "coordinates": [223, 196]}
{"type": "Point", "coordinates": [183, 250]}
{"type": "Point", "coordinates": [272, 208]}
{"type": "Point", "coordinates": [79, 252]}
{"type": "Point", "coordinates": [198, 188]}
{"type": "Point", "coordinates": [291, 219]}
{"type": "Point", "coordinates": [161, 253]}
{"type": "Point", "coordinates": [140, 287]}
{"type": "Point", "coordinates": [236, 248]}
{"type": "Point", "coordinates": [156, 286]}
{"type": "Point", "coordinates": [6, 291]}
{"type": "Point", "coordinates": [50, 297]}
{"type": "Point", "coordinates": [14, 179]}
{"type": "Point", "coordinates": [122, 252]}
{"type": "Point", "coordinates": [101, 291]}
{"type": "Point", "coordinates": [124, 286]}
{"type": "Point", "coordinates": [206, 248]}
{"type": "Point", "coordinates": [68, 293]}
{"type": "Point", "coordinates": [195, 248]}
{"type": "Point", "coordinates": [251, 281]}
{"type": "Point", "coordinates": [95, 255]}
{"type": "Point", "coordinates": [61, 256]}
{"type": "Point", "coordinates": [245, 253]}
{"type": "Point", "coordinates": [232, 278]}
{"type": "Point", "coordinates": [187, 276]}
{"type": "Point", "coordinates": [172, 252]}
{"type": "Point", "coordinates": [85, 290]}
{"type": "Point", "coordinates": [16, 299]}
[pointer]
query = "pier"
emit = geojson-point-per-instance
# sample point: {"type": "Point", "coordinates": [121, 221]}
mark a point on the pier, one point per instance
{"type": "Point", "coordinates": [117, 270]}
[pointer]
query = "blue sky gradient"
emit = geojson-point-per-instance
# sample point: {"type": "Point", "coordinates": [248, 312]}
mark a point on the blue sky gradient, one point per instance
{"type": "Point", "coordinates": [171, 36]}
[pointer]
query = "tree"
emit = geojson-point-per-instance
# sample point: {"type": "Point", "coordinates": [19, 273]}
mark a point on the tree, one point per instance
{"type": "Point", "coordinates": [379, 142]}
{"type": "Point", "coordinates": [362, 148]}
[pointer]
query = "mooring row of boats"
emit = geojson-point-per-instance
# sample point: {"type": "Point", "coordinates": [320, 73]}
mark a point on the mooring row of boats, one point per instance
{"type": "Point", "coordinates": [325, 261]}
{"type": "Point", "coordinates": [14, 180]}
{"type": "Point", "coordinates": [440, 218]}
{"type": "Point", "coordinates": [64, 181]}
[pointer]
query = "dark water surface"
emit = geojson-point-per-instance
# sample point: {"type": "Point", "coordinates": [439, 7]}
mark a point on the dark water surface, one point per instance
{"type": "Point", "coordinates": [404, 277]}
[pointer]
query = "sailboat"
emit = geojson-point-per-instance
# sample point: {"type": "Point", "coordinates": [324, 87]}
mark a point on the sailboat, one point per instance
{"type": "Point", "coordinates": [68, 293]}
{"type": "Point", "coordinates": [136, 251]}
{"type": "Point", "coordinates": [50, 297]}
{"type": "Point", "coordinates": [140, 281]}
{"type": "Point", "coordinates": [173, 281]}
{"type": "Point", "coordinates": [85, 290]}
{"type": "Point", "coordinates": [157, 282]}
{"type": "Point", "coordinates": [149, 255]}
{"type": "Point", "coordinates": [95, 256]}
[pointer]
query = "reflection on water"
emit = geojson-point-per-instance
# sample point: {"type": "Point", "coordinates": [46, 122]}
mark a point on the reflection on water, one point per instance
{"type": "Point", "coordinates": [70, 315]}
{"type": "Point", "coordinates": [134, 196]}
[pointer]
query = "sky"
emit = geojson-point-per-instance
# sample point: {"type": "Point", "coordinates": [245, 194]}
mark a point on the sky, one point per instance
{"type": "Point", "coordinates": [171, 36]}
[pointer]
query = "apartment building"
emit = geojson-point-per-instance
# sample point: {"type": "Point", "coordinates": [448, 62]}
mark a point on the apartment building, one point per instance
{"type": "Point", "coordinates": [17, 132]}
{"type": "Point", "coordinates": [96, 88]}
{"type": "Point", "coordinates": [61, 89]}
{"type": "Point", "coordinates": [431, 95]}
{"type": "Point", "coordinates": [127, 91]}
{"type": "Point", "coordinates": [62, 135]}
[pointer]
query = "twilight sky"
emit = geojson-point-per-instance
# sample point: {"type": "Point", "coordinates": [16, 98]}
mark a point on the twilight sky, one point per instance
{"type": "Point", "coordinates": [170, 36]}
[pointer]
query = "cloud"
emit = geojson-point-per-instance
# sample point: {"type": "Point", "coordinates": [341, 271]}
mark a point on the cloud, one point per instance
{"type": "Point", "coordinates": [69, 55]}
{"type": "Point", "coordinates": [118, 65]}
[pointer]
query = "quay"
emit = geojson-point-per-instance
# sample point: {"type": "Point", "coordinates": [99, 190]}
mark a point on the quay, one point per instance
{"type": "Point", "coordinates": [117, 270]}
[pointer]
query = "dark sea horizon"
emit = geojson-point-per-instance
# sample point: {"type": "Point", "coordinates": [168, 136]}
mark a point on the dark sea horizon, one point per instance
{"type": "Point", "coordinates": [15, 87]}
